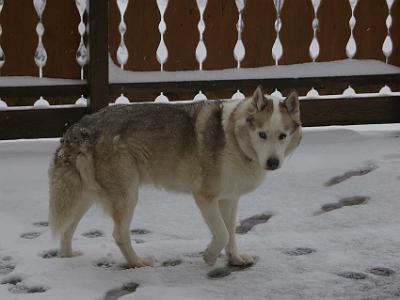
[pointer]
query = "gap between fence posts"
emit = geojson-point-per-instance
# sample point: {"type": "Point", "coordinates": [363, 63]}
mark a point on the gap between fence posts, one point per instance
{"type": "Point", "coordinates": [98, 50]}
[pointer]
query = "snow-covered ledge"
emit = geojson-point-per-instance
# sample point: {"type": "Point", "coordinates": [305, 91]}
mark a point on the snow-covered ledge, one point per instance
{"type": "Point", "coordinates": [346, 67]}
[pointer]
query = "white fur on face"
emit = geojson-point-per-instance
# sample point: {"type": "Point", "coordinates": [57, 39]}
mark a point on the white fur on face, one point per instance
{"type": "Point", "coordinates": [272, 147]}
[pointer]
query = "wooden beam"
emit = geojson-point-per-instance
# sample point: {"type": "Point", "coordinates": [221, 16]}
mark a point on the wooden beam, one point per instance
{"type": "Point", "coordinates": [38, 123]}
{"type": "Point", "coordinates": [45, 91]}
{"type": "Point", "coordinates": [98, 47]}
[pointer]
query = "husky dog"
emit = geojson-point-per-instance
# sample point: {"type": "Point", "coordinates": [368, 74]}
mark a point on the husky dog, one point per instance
{"type": "Point", "coordinates": [215, 150]}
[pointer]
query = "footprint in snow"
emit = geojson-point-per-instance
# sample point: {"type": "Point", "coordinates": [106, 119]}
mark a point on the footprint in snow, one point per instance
{"type": "Point", "coordinates": [347, 201]}
{"type": "Point", "coordinates": [381, 271]}
{"type": "Point", "coordinates": [30, 235]}
{"type": "Point", "coordinates": [357, 172]}
{"type": "Point", "coordinates": [7, 265]}
{"type": "Point", "coordinates": [247, 224]}
{"type": "Point", "coordinates": [41, 224]}
{"type": "Point", "coordinates": [109, 264]}
{"type": "Point", "coordinates": [137, 231]}
{"type": "Point", "coordinates": [17, 287]}
{"type": "Point", "coordinates": [300, 251]}
{"type": "Point", "coordinates": [229, 269]}
{"type": "Point", "coordinates": [171, 263]}
{"type": "Point", "coordinates": [49, 253]}
{"type": "Point", "coordinates": [125, 289]}
{"type": "Point", "coordinates": [352, 275]}
{"type": "Point", "coordinates": [93, 234]}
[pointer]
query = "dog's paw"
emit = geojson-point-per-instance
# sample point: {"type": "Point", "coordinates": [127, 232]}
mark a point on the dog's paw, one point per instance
{"type": "Point", "coordinates": [240, 259]}
{"type": "Point", "coordinates": [141, 262]}
{"type": "Point", "coordinates": [209, 257]}
{"type": "Point", "coordinates": [66, 254]}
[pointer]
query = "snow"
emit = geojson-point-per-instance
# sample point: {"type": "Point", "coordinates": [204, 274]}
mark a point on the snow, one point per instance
{"type": "Point", "coordinates": [11, 81]}
{"type": "Point", "coordinates": [345, 67]}
{"type": "Point", "coordinates": [348, 239]}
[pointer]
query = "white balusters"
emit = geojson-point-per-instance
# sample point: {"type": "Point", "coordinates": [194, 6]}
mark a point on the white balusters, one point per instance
{"type": "Point", "coordinates": [122, 100]}
{"type": "Point", "coordinates": [161, 98]}
{"type": "Point", "coordinates": [41, 103]}
{"type": "Point", "coordinates": [277, 93]}
{"type": "Point", "coordinates": [2, 55]}
{"type": "Point", "coordinates": [349, 92]}
{"type": "Point", "coordinates": [313, 93]}
{"type": "Point", "coordinates": [387, 46]}
{"type": "Point", "coordinates": [200, 97]}
{"type": "Point", "coordinates": [122, 51]}
{"type": "Point", "coordinates": [314, 46]}
{"type": "Point", "coordinates": [201, 50]}
{"type": "Point", "coordinates": [40, 53]}
{"type": "Point", "coordinates": [351, 47]}
{"type": "Point", "coordinates": [82, 55]}
{"type": "Point", "coordinates": [238, 96]}
{"type": "Point", "coordinates": [277, 49]}
{"type": "Point", "coordinates": [162, 51]}
{"type": "Point", "coordinates": [239, 51]}
{"type": "Point", "coordinates": [82, 101]}
{"type": "Point", "coordinates": [3, 105]}
{"type": "Point", "coordinates": [385, 90]}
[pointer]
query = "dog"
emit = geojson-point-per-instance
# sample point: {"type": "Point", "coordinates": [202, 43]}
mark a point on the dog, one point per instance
{"type": "Point", "coordinates": [215, 150]}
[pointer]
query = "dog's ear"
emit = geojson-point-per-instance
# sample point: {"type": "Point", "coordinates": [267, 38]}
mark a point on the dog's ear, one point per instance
{"type": "Point", "coordinates": [293, 105]}
{"type": "Point", "coordinates": [258, 98]}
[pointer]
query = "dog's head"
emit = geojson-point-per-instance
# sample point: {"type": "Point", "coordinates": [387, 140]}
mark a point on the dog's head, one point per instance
{"type": "Point", "coordinates": [268, 129]}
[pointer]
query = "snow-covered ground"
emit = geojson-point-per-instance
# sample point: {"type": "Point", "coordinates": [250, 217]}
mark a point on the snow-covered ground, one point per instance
{"type": "Point", "coordinates": [304, 251]}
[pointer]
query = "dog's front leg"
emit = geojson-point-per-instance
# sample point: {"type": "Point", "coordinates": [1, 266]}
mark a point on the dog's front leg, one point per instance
{"type": "Point", "coordinates": [228, 208]}
{"type": "Point", "coordinates": [210, 211]}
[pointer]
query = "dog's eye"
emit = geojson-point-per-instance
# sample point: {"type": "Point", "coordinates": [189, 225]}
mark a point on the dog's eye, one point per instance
{"type": "Point", "coordinates": [262, 135]}
{"type": "Point", "coordinates": [282, 136]}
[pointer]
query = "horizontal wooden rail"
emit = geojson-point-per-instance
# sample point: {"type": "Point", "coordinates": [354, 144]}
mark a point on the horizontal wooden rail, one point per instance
{"type": "Point", "coordinates": [225, 88]}
{"type": "Point", "coordinates": [53, 122]}
{"type": "Point", "coordinates": [45, 91]}
{"type": "Point", "coordinates": [38, 123]}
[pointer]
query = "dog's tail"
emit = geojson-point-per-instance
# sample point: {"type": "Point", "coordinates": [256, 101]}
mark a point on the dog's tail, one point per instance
{"type": "Point", "coordinates": [71, 173]}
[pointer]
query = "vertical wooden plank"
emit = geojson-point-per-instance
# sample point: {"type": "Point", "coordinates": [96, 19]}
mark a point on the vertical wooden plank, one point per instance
{"type": "Point", "coordinates": [394, 59]}
{"type": "Point", "coordinates": [181, 36]}
{"type": "Point", "coordinates": [259, 33]}
{"type": "Point", "coordinates": [370, 30]}
{"type": "Point", "coordinates": [98, 47]}
{"type": "Point", "coordinates": [220, 35]}
{"type": "Point", "coordinates": [334, 30]}
{"type": "Point", "coordinates": [297, 33]}
{"type": "Point", "coordinates": [61, 39]}
{"type": "Point", "coordinates": [19, 39]}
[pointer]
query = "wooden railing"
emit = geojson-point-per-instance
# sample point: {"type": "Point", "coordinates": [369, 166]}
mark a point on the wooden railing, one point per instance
{"type": "Point", "coordinates": [155, 35]}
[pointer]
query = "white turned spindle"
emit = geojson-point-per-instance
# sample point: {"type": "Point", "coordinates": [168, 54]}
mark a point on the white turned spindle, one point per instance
{"type": "Point", "coordinates": [82, 55]}
{"type": "Point", "coordinates": [82, 101]}
{"type": "Point", "coordinates": [238, 95]}
{"type": "Point", "coordinates": [161, 98]}
{"type": "Point", "coordinates": [387, 46]}
{"type": "Point", "coordinates": [3, 105]}
{"type": "Point", "coordinates": [2, 55]}
{"type": "Point", "coordinates": [277, 94]}
{"type": "Point", "coordinates": [162, 51]}
{"type": "Point", "coordinates": [239, 51]}
{"type": "Point", "coordinates": [314, 46]}
{"type": "Point", "coordinates": [277, 49]}
{"type": "Point", "coordinates": [349, 92]}
{"type": "Point", "coordinates": [201, 50]}
{"type": "Point", "coordinates": [41, 103]}
{"type": "Point", "coordinates": [351, 47]}
{"type": "Point", "coordinates": [200, 97]}
{"type": "Point", "coordinates": [122, 51]}
{"type": "Point", "coordinates": [40, 56]}
{"type": "Point", "coordinates": [122, 100]}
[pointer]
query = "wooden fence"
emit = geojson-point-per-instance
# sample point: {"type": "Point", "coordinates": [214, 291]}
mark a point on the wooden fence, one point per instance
{"type": "Point", "coordinates": [134, 33]}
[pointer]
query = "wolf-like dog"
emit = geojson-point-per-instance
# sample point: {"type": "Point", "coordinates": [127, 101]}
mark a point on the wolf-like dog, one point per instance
{"type": "Point", "coordinates": [216, 151]}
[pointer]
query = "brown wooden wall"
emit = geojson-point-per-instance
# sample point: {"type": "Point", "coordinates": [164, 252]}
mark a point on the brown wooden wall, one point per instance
{"type": "Point", "coordinates": [61, 38]}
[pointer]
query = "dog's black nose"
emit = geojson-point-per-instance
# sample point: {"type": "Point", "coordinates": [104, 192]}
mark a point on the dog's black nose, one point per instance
{"type": "Point", "coordinates": [272, 163]}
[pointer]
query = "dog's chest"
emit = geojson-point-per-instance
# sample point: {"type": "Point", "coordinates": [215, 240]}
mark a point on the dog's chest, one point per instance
{"type": "Point", "coordinates": [239, 179]}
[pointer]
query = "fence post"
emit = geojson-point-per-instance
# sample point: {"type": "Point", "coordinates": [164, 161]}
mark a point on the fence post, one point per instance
{"type": "Point", "coordinates": [98, 47]}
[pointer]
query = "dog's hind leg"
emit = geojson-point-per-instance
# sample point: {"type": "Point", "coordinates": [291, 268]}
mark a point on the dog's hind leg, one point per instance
{"type": "Point", "coordinates": [228, 208]}
{"type": "Point", "coordinates": [68, 232]}
{"type": "Point", "coordinates": [122, 212]}
{"type": "Point", "coordinates": [211, 213]}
